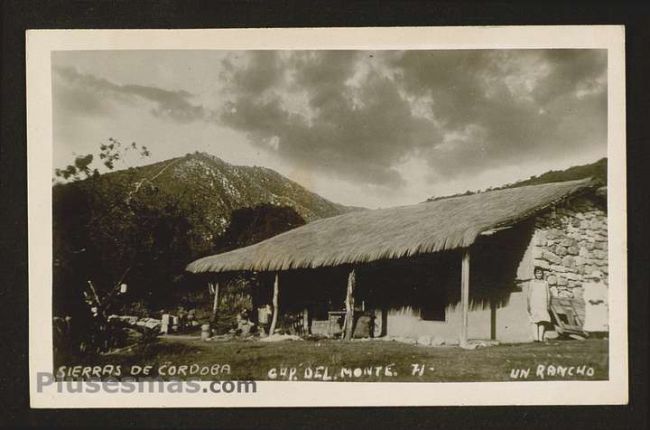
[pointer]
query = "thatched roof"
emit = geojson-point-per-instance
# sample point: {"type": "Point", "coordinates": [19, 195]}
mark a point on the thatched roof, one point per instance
{"type": "Point", "coordinates": [364, 236]}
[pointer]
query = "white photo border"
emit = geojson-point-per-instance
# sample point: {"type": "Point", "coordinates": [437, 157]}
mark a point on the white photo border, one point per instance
{"type": "Point", "coordinates": [40, 45]}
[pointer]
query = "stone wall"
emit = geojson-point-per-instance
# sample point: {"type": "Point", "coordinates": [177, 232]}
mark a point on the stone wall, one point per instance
{"type": "Point", "coordinates": [570, 241]}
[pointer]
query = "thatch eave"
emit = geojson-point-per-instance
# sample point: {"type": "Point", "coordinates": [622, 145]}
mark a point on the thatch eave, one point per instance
{"type": "Point", "coordinates": [391, 233]}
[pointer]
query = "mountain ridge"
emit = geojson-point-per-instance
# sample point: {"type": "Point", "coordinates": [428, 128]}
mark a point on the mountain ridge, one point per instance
{"type": "Point", "coordinates": [596, 170]}
{"type": "Point", "coordinates": [223, 187]}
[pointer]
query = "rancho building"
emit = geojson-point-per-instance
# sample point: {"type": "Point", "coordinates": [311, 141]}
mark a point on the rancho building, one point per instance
{"type": "Point", "coordinates": [444, 271]}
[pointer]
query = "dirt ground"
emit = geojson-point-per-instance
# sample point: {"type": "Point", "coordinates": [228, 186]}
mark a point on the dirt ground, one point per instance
{"type": "Point", "coordinates": [334, 360]}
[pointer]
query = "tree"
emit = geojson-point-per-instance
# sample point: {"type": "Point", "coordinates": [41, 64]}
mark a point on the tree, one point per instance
{"type": "Point", "coordinates": [251, 225]}
{"type": "Point", "coordinates": [248, 226]}
{"type": "Point", "coordinates": [109, 153]}
{"type": "Point", "coordinates": [113, 228]}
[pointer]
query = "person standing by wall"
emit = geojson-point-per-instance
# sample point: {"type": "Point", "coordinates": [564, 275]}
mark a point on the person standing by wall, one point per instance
{"type": "Point", "coordinates": [539, 300]}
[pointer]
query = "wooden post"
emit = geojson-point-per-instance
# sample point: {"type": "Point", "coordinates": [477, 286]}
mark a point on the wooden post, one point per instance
{"type": "Point", "coordinates": [464, 297]}
{"type": "Point", "coordinates": [274, 319]}
{"type": "Point", "coordinates": [493, 319]}
{"type": "Point", "coordinates": [215, 303]}
{"type": "Point", "coordinates": [384, 320]}
{"type": "Point", "coordinates": [349, 305]}
{"type": "Point", "coordinates": [305, 321]}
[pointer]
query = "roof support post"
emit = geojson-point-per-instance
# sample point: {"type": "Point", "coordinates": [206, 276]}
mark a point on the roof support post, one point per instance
{"type": "Point", "coordinates": [276, 309]}
{"type": "Point", "coordinates": [464, 298]}
{"type": "Point", "coordinates": [349, 305]}
{"type": "Point", "coordinates": [493, 319]}
{"type": "Point", "coordinates": [305, 321]}
{"type": "Point", "coordinates": [215, 303]}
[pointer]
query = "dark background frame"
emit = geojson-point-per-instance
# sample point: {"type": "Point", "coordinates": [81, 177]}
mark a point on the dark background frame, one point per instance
{"type": "Point", "coordinates": [18, 16]}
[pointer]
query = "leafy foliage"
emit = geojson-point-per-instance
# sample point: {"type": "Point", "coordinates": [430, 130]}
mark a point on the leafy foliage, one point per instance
{"type": "Point", "coordinates": [79, 169]}
{"type": "Point", "coordinates": [111, 228]}
{"type": "Point", "coordinates": [110, 153]}
{"type": "Point", "coordinates": [251, 225]}
{"type": "Point", "coordinates": [113, 151]}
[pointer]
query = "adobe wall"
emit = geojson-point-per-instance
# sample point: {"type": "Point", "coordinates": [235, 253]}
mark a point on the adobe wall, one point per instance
{"type": "Point", "coordinates": [511, 323]}
{"type": "Point", "coordinates": [406, 323]}
{"type": "Point", "coordinates": [569, 240]}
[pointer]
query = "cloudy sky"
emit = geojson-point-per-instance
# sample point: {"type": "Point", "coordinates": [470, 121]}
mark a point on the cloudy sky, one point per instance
{"type": "Point", "coordinates": [366, 128]}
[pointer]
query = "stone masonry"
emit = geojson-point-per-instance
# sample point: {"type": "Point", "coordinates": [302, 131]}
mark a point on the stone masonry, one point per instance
{"type": "Point", "coordinates": [570, 241]}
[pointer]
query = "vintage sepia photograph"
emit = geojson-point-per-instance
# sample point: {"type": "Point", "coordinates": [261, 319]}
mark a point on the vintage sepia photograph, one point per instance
{"type": "Point", "coordinates": [424, 216]}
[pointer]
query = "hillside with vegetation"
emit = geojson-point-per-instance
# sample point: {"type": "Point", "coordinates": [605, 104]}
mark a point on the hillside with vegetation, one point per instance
{"type": "Point", "coordinates": [221, 187]}
{"type": "Point", "coordinates": [597, 171]}
{"type": "Point", "coordinates": [142, 225]}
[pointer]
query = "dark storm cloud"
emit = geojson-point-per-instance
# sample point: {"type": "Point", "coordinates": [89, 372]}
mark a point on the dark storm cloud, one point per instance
{"type": "Point", "coordinates": [509, 106]}
{"type": "Point", "coordinates": [360, 115]}
{"type": "Point", "coordinates": [315, 117]}
{"type": "Point", "coordinates": [89, 95]}
{"type": "Point", "coordinates": [263, 71]}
